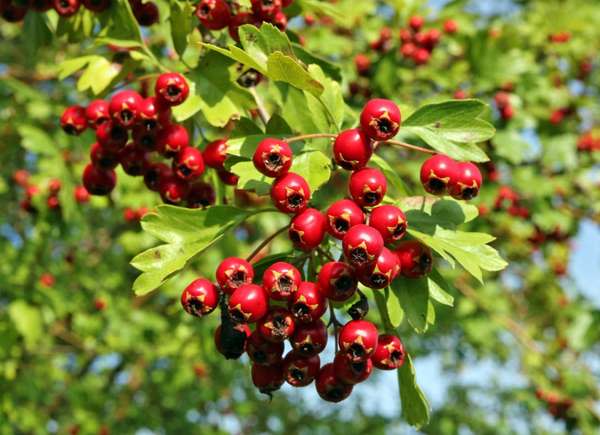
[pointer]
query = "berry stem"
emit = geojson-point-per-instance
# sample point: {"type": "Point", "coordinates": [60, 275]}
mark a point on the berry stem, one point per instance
{"type": "Point", "coordinates": [262, 111]}
{"type": "Point", "coordinates": [336, 324]}
{"type": "Point", "coordinates": [265, 242]}
{"type": "Point", "coordinates": [310, 136]}
{"type": "Point", "coordinates": [397, 143]}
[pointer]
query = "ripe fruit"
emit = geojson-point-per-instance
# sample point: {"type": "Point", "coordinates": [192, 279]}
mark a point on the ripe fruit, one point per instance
{"type": "Point", "coordinates": [337, 281]}
{"type": "Point", "coordinates": [73, 120]}
{"type": "Point", "coordinates": [81, 194]}
{"type": "Point", "coordinates": [266, 9]}
{"type": "Point", "coordinates": [213, 14]}
{"type": "Point", "coordinates": [99, 181]}
{"type": "Point", "coordinates": [367, 187]}
{"type": "Point", "coordinates": [262, 351]}
{"type": "Point", "coordinates": [358, 340]}
{"type": "Point", "coordinates": [300, 371]}
{"type": "Point", "coordinates": [124, 107]}
{"type": "Point", "coordinates": [362, 245]}
{"type": "Point", "coordinates": [450, 26]}
{"type": "Point", "coordinates": [188, 165]}
{"type": "Point", "coordinates": [267, 378]}
{"type": "Point", "coordinates": [390, 221]}
{"type": "Point", "coordinates": [277, 326]}
{"type": "Point", "coordinates": [231, 340]}
{"type": "Point", "coordinates": [466, 181]}
{"type": "Point", "coordinates": [343, 215]}
{"type": "Point", "coordinates": [416, 22]}
{"type": "Point", "coordinates": [389, 353]}
{"type": "Point", "coordinates": [172, 189]}
{"type": "Point", "coordinates": [172, 139]}
{"type": "Point", "coordinates": [307, 229]}
{"type": "Point", "coordinates": [380, 119]}
{"type": "Point", "coordinates": [273, 157]}
{"type": "Point", "coordinates": [133, 159]}
{"type": "Point", "coordinates": [96, 5]}
{"type": "Point", "coordinates": [111, 136]}
{"type": "Point", "coordinates": [351, 372]}
{"type": "Point", "coordinates": [232, 273]}
{"type": "Point", "coordinates": [200, 194]}
{"type": "Point", "coordinates": [200, 297]}
{"type": "Point", "coordinates": [290, 193]}
{"type": "Point", "coordinates": [227, 177]}
{"type": "Point", "coordinates": [215, 154]}
{"type": "Point", "coordinates": [307, 304]}
{"type": "Point", "coordinates": [145, 14]}
{"type": "Point", "coordinates": [248, 304]}
{"type": "Point", "coordinates": [329, 387]}
{"type": "Point", "coordinates": [436, 173]}
{"type": "Point", "coordinates": [281, 280]}
{"type": "Point", "coordinates": [352, 149]}
{"type": "Point", "coordinates": [363, 64]}
{"type": "Point", "coordinates": [415, 259]}
{"type": "Point", "coordinates": [155, 173]}
{"type": "Point", "coordinates": [380, 274]}
{"type": "Point", "coordinates": [421, 56]}
{"type": "Point", "coordinates": [153, 111]}
{"type": "Point", "coordinates": [66, 8]}
{"type": "Point", "coordinates": [310, 338]}
{"type": "Point", "coordinates": [96, 113]}
{"type": "Point", "coordinates": [171, 89]}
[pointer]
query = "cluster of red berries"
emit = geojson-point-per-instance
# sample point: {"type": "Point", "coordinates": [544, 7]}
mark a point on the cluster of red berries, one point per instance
{"type": "Point", "coordinates": [504, 106]}
{"type": "Point", "coordinates": [509, 200]}
{"type": "Point", "coordinates": [441, 174]}
{"type": "Point", "coordinates": [134, 215]}
{"type": "Point", "coordinates": [416, 44]}
{"type": "Point", "coordinates": [153, 134]}
{"type": "Point", "coordinates": [15, 10]}
{"type": "Point", "coordinates": [558, 115]}
{"type": "Point", "coordinates": [588, 142]}
{"type": "Point", "coordinates": [557, 406]}
{"type": "Point", "coordinates": [221, 14]}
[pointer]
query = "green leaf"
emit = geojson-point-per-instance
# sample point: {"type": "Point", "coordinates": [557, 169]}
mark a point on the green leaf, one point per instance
{"type": "Point", "coordinates": [391, 175]}
{"type": "Point", "coordinates": [36, 140]}
{"type": "Point", "coordinates": [395, 311]}
{"type": "Point", "coordinates": [330, 69]}
{"type": "Point", "coordinates": [510, 145]}
{"type": "Point", "coordinates": [28, 322]}
{"type": "Point", "coordinates": [314, 166]}
{"type": "Point", "coordinates": [439, 289]}
{"type": "Point", "coordinates": [415, 408]}
{"type": "Point", "coordinates": [97, 76]}
{"type": "Point", "coordinates": [70, 66]}
{"type": "Point", "coordinates": [121, 28]}
{"type": "Point", "coordinates": [250, 178]}
{"type": "Point", "coordinates": [425, 212]}
{"type": "Point", "coordinates": [283, 68]}
{"type": "Point", "coordinates": [186, 232]}
{"type": "Point", "coordinates": [181, 25]}
{"type": "Point", "coordinates": [414, 296]}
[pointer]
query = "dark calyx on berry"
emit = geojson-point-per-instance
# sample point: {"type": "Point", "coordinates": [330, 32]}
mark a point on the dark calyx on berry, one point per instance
{"type": "Point", "coordinates": [372, 198]}
{"type": "Point", "coordinates": [356, 351]}
{"type": "Point", "coordinates": [436, 185]}
{"type": "Point", "coordinates": [359, 256]}
{"type": "Point", "coordinates": [341, 225]}
{"type": "Point", "coordinates": [295, 200]}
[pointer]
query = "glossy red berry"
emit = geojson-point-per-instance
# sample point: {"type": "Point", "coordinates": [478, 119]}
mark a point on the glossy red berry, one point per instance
{"type": "Point", "coordinates": [290, 193]}
{"type": "Point", "coordinates": [200, 194]}
{"type": "Point", "coordinates": [154, 112]}
{"type": "Point", "coordinates": [415, 259]}
{"type": "Point", "coordinates": [380, 274]}
{"type": "Point", "coordinates": [237, 20]}
{"type": "Point", "coordinates": [310, 338]}
{"type": "Point", "coordinates": [389, 353]}
{"type": "Point", "coordinates": [188, 165]}
{"type": "Point", "coordinates": [362, 245]}
{"type": "Point", "coordinates": [436, 173]}
{"type": "Point", "coordinates": [380, 119]}
{"type": "Point", "coordinates": [238, 336]}
{"type": "Point", "coordinates": [416, 22]}
{"type": "Point", "coordinates": [66, 8]}
{"type": "Point", "coordinates": [277, 326]}
{"type": "Point", "coordinates": [228, 178]}
{"type": "Point", "coordinates": [99, 181]}
{"type": "Point", "coordinates": [367, 187]}
{"type": "Point", "coordinates": [358, 339]}
{"type": "Point", "coordinates": [300, 371]}
{"type": "Point", "coordinates": [97, 113]}
{"type": "Point", "coordinates": [134, 160]}
{"type": "Point", "coordinates": [307, 229]}
{"type": "Point", "coordinates": [248, 303]}
{"type": "Point", "coordinates": [450, 26]}
{"type": "Point", "coordinates": [172, 189]}
{"type": "Point", "coordinates": [266, 9]}
{"type": "Point", "coordinates": [362, 64]}
{"type": "Point", "coordinates": [213, 14]}
{"type": "Point", "coordinates": [73, 120]}
{"type": "Point", "coordinates": [281, 280]}
{"type": "Point", "coordinates": [81, 194]}
{"type": "Point", "coordinates": [267, 378]}
{"type": "Point", "coordinates": [273, 157]}
{"type": "Point", "coordinates": [200, 297]}
{"type": "Point", "coordinates": [103, 158]}
{"type": "Point", "coordinates": [330, 387]}
{"type": "Point", "coordinates": [343, 215]}
{"type": "Point", "coordinates": [350, 372]}
{"type": "Point", "coordinates": [352, 149]}
{"type": "Point", "coordinates": [96, 5]}
{"type": "Point", "coordinates": [337, 281]}
{"type": "Point", "coordinates": [421, 56]}
{"type": "Point", "coordinates": [262, 351]}
{"type": "Point", "coordinates": [280, 21]}
{"type": "Point", "coordinates": [215, 154]}
{"type": "Point", "coordinates": [390, 221]}
{"type": "Point", "coordinates": [53, 202]}
{"type": "Point", "coordinates": [111, 136]}
{"type": "Point", "coordinates": [466, 182]}
{"type": "Point", "coordinates": [307, 304]}
{"type": "Point", "coordinates": [146, 14]}
{"type": "Point", "coordinates": [171, 89]}
{"type": "Point", "coordinates": [145, 137]}
{"type": "Point", "coordinates": [155, 173]}
{"type": "Point", "coordinates": [232, 273]}
{"type": "Point", "coordinates": [172, 139]}
{"type": "Point", "coordinates": [124, 107]}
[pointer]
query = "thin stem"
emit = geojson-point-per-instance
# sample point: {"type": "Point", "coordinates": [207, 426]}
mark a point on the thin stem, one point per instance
{"type": "Point", "coordinates": [262, 111]}
{"type": "Point", "coordinates": [265, 242]}
{"type": "Point", "coordinates": [406, 145]}
{"type": "Point", "coordinates": [310, 136]}
{"type": "Point", "coordinates": [335, 322]}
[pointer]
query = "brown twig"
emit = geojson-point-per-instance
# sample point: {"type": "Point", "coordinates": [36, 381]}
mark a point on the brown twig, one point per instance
{"type": "Point", "coordinates": [265, 242]}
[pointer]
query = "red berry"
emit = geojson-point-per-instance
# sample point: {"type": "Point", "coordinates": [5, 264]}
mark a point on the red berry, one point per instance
{"type": "Point", "coordinates": [213, 14]}
{"type": "Point", "coordinates": [405, 35]}
{"type": "Point", "coordinates": [21, 177]}
{"type": "Point", "coordinates": [415, 259]}
{"type": "Point", "coordinates": [350, 372]}
{"type": "Point", "coordinates": [408, 49]}
{"type": "Point", "coordinates": [307, 229]}
{"type": "Point", "coordinates": [367, 187]}
{"type": "Point", "coordinates": [337, 281]}
{"type": "Point", "coordinates": [134, 160]}
{"type": "Point", "coordinates": [281, 280]}
{"type": "Point", "coordinates": [200, 297]}
{"type": "Point", "coordinates": [416, 22]}
{"type": "Point", "coordinates": [47, 280]}
{"type": "Point", "coordinates": [507, 112]}
{"type": "Point", "coordinates": [380, 274]}
{"type": "Point", "coordinates": [172, 189]}
{"type": "Point", "coordinates": [277, 326]}
{"type": "Point", "coordinates": [171, 139]}
{"type": "Point", "coordinates": [450, 26]}
{"type": "Point", "coordinates": [362, 245]}
{"type": "Point", "coordinates": [290, 193]}
{"type": "Point", "coordinates": [73, 120]}
{"type": "Point", "coordinates": [171, 89]}
{"type": "Point", "coordinates": [99, 181]}
{"type": "Point", "coordinates": [100, 304]}
{"type": "Point", "coordinates": [81, 194]}
{"type": "Point", "coordinates": [200, 194]}
{"type": "Point", "coordinates": [466, 181]}
{"type": "Point", "coordinates": [352, 149]}
{"type": "Point", "coordinates": [155, 173]}
{"type": "Point", "coordinates": [267, 378]}
{"type": "Point", "coordinates": [146, 14]}
{"type": "Point", "coordinates": [215, 154]}
{"type": "Point", "coordinates": [358, 339]}
{"type": "Point", "coordinates": [363, 64]}
{"type": "Point", "coordinates": [124, 107]}
{"type": "Point", "coordinates": [228, 178]}
{"type": "Point", "coordinates": [307, 304]}
{"type": "Point", "coordinates": [153, 111]}
{"type": "Point", "coordinates": [329, 387]}
{"type": "Point", "coordinates": [280, 21]}
{"type": "Point", "coordinates": [238, 20]}
{"type": "Point", "coordinates": [237, 335]}
{"type": "Point", "coordinates": [54, 186]}
{"type": "Point", "coordinates": [248, 303]}
{"type": "Point", "coordinates": [188, 165]}
{"type": "Point", "coordinates": [432, 38]}
{"type": "Point", "coordinates": [232, 273]}
{"type": "Point", "coordinates": [390, 221]}
{"type": "Point", "coordinates": [111, 136]}
{"type": "Point", "coordinates": [262, 351]}
{"type": "Point", "coordinates": [380, 119]}
{"type": "Point", "coordinates": [421, 56]}
{"type": "Point", "coordinates": [53, 202]}
{"type": "Point", "coordinates": [273, 157]}
{"type": "Point", "coordinates": [436, 173]}
{"type": "Point", "coordinates": [389, 353]}
{"type": "Point", "coordinates": [266, 9]}
{"type": "Point", "coordinates": [343, 215]}
{"type": "Point", "coordinates": [300, 371]}
{"type": "Point", "coordinates": [97, 113]}
{"type": "Point", "coordinates": [502, 99]}
{"type": "Point", "coordinates": [66, 8]}
{"type": "Point", "coordinates": [96, 5]}
{"type": "Point", "coordinates": [130, 215]}
{"type": "Point", "coordinates": [310, 338]}
{"type": "Point", "coordinates": [145, 137]}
